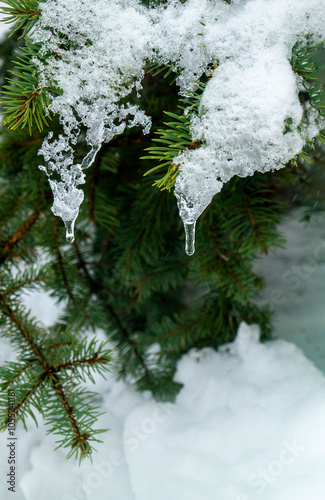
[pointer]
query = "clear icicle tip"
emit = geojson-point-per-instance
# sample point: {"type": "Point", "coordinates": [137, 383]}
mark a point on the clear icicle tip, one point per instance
{"type": "Point", "coordinates": [190, 237]}
{"type": "Point", "coordinates": [69, 234]}
{"type": "Point", "coordinates": [69, 238]}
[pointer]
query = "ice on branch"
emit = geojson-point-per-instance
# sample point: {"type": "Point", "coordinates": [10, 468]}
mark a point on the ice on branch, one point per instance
{"type": "Point", "coordinates": [96, 53]}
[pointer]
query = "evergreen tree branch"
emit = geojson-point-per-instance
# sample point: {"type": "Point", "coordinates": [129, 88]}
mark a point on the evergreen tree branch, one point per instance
{"type": "Point", "coordinates": [92, 190]}
{"type": "Point", "coordinates": [18, 372]}
{"type": "Point", "coordinates": [59, 344]}
{"type": "Point", "coordinates": [24, 99]}
{"type": "Point", "coordinates": [19, 235]}
{"type": "Point", "coordinates": [78, 363]}
{"type": "Point", "coordinates": [175, 139]}
{"type": "Point", "coordinates": [255, 226]}
{"type": "Point", "coordinates": [23, 284]}
{"type": "Point", "coordinates": [23, 13]}
{"type": "Point", "coordinates": [126, 336]}
{"type": "Point", "coordinates": [34, 347]}
{"type": "Point", "coordinates": [71, 411]}
{"type": "Point", "coordinates": [95, 288]}
{"type": "Point", "coordinates": [26, 399]}
{"type": "Point", "coordinates": [79, 438]}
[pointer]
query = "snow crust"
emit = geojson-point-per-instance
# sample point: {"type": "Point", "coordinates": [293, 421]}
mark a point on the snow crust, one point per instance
{"type": "Point", "coordinates": [244, 109]}
{"type": "Point", "coordinates": [248, 424]}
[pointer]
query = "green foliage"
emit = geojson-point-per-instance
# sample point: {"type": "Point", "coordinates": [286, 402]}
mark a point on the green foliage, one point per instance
{"type": "Point", "coordinates": [307, 66]}
{"type": "Point", "coordinates": [49, 369]}
{"type": "Point", "coordinates": [307, 63]}
{"type": "Point", "coordinates": [23, 13]}
{"type": "Point", "coordinates": [126, 273]}
{"type": "Point", "coordinates": [25, 100]}
{"type": "Point", "coordinates": [174, 139]}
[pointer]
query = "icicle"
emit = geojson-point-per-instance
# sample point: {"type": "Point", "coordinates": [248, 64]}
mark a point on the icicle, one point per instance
{"type": "Point", "coordinates": [69, 234]}
{"type": "Point", "coordinates": [90, 157]}
{"type": "Point", "coordinates": [189, 214]}
{"type": "Point", "coordinates": [189, 237]}
{"type": "Point", "coordinates": [189, 220]}
{"type": "Point", "coordinates": [86, 163]}
{"type": "Point", "coordinates": [193, 195]}
{"type": "Point", "coordinates": [67, 197]}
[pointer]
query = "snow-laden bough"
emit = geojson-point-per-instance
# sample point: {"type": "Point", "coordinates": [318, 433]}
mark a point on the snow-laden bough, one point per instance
{"type": "Point", "coordinates": [241, 125]}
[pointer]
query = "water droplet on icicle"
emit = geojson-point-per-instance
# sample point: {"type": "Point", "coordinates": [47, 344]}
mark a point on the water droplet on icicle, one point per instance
{"type": "Point", "coordinates": [189, 237]}
{"type": "Point", "coordinates": [69, 234]}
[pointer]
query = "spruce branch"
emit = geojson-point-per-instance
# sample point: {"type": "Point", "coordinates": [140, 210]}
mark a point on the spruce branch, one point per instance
{"type": "Point", "coordinates": [164, 70]}
{"type": "Point", "coordinates": [122, 336]}
{"type": "Point", "coordinates": [23, 332]}
{"type": "Point", "coordinates": [304, 62]}
{"type": "Point", "coordinates": [6, 247]}
{"type": "Point", "coordinates": [306, 65]}
{"type": "Point", "coordinates": [23, 284]}
{"type": "Point", "coordinates": [255, 225]}
{"type": "Point", "coordinates": [30, 278]}
{"type": "Point", "coordinates": [23, 13]}
{"type": "Point", "coordinates": [175, 139]}
{"type": "Point", "coordinates": [47, 378]}
{"type": "Point", "coordinates": [25, 100]}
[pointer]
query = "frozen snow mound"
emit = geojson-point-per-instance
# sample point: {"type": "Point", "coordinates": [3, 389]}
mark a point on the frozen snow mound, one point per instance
{"type": "Point", "coordinates": [248, 424]}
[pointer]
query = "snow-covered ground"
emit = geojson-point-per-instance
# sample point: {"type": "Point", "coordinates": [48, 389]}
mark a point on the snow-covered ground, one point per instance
{"type": "Point", "coordinates": [247, 425]}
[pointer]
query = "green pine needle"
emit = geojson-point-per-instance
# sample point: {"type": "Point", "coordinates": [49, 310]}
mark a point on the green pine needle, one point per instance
{"type": "Point", "coordinates": [23, 13]}
{"type": "Point", "coordinates": [175, 139]}
{"type": "Point", "coordinates": [24, 100]}
{"type": "Point", "coordinates": [305, 64]}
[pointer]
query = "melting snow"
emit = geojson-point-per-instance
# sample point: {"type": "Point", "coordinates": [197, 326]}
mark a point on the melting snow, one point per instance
{"type": "Point", "coordinates": [244, 108]}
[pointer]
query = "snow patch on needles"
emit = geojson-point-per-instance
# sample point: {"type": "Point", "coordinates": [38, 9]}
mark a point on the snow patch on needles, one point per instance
{"type": "Point", "coordinates": [244, 109]}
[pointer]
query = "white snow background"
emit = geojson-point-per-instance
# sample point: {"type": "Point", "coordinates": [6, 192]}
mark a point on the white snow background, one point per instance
{"type": "Point", "coordinates": [247, 425]}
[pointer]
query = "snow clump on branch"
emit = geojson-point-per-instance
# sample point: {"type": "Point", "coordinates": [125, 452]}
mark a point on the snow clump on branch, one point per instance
{"type": "Point", "coordinates": [98, 54]}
